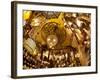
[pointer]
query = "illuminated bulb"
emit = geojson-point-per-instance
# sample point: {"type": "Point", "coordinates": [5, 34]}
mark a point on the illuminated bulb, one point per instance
{"type": "Point", "coordinates": [46, 53]}
{"type": "Point", "coordinates": [52, 40]}
{"type": "Point", "coordinates": [70, 23]}
{"type": "Point", "coordinates": [79, 23]}
{"type": "Point", "coordinates": [77, 55]}
{"type": "Point", "coordinates": [65, 23]}
{"type": "Point", "coordinates": [71, 53]}
{"type": "Point", "coordinates": [74, 14]}
{"type": "Point", "coordinates": [35, 22]}
{"type": "Point", "coordinates": [66, 55]}
{"type": "Point", "coordinates": [60, 57]}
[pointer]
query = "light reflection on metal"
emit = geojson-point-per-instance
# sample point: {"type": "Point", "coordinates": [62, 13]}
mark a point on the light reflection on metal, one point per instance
{"type": "Point", "coordinates": [56, 39]}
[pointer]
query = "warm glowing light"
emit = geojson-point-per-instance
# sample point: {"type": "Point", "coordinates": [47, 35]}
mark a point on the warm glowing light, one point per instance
{"type": "Point", "coordinates": [52, 40]}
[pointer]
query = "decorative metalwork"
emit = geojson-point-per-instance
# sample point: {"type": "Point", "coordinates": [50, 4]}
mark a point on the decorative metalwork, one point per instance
{"type": "Point", "coordinates": [56, 39]}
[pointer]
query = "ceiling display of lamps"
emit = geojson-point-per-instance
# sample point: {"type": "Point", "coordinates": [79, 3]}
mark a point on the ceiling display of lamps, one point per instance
{"type": "Point", "coordinates": [56, 39]}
